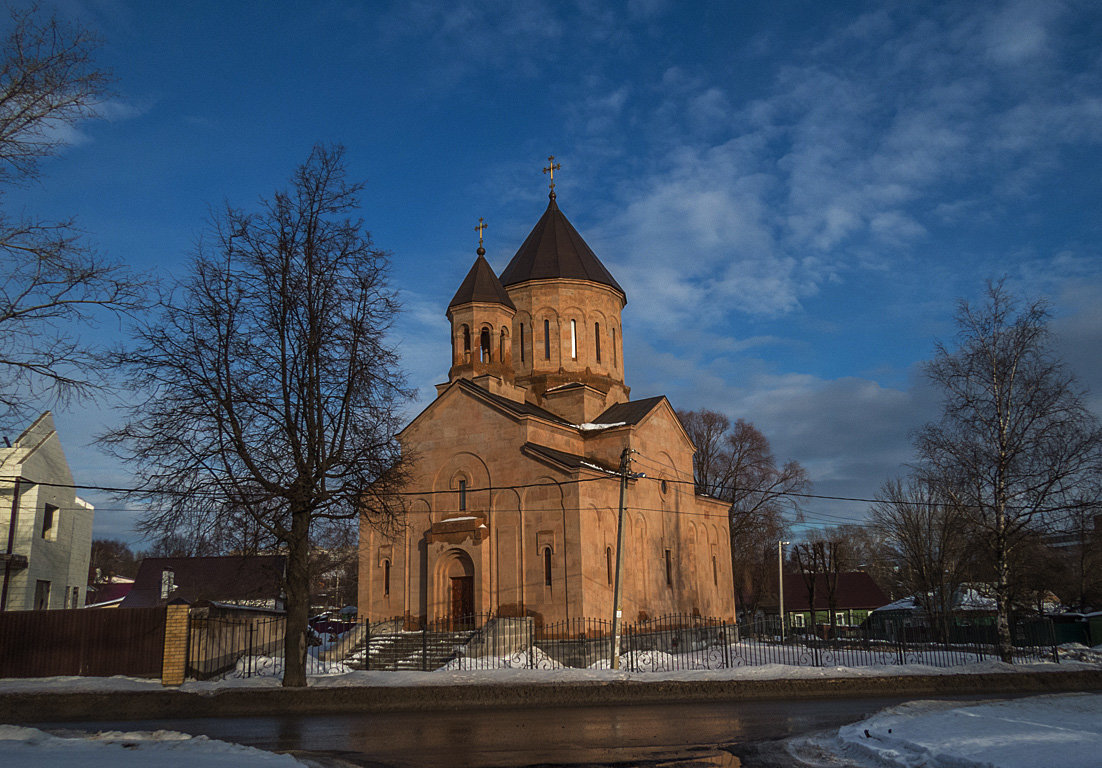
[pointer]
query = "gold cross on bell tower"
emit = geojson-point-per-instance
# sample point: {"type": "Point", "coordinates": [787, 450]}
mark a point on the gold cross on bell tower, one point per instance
{"type": "Point", "coordinates": [481, 226]}
{"type": "Point", "coordinates": [552, 166]}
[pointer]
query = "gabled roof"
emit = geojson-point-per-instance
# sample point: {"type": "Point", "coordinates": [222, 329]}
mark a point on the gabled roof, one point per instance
{"type": "Point", "coordinates": [562, 458]}
{"type": "Point", "coordinates": [520, 409]}
{"type": "Point", "coordinates": [481, 284]}
{"type": "Point", "coordinates": [631, 412]}
{"type": "Point", "coordinates": [229, 578]}
{"type": "Point", "coordinates": [555, 249]}
{"type": "Point", "coordinates": [855, 589]}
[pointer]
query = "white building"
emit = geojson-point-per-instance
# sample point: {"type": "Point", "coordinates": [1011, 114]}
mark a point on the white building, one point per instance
{"type": "Point", "coordinates": [44, 552]}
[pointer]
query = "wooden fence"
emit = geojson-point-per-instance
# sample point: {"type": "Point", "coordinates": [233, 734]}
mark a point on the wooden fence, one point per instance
{"type": "Point", "coordinates": [117, 641]}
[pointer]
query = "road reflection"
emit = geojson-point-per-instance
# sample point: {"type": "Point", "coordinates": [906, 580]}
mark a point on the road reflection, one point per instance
{"type": "Point", "coordinates": [662, 736]}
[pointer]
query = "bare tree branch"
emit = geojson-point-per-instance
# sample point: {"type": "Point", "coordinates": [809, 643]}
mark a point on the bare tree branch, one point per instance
{"type": "Point", "coordinates": [271, 394]}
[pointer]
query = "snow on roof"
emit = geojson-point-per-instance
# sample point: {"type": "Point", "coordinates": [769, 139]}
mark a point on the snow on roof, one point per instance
{"type": "Point", "coordinates": [456, 519]}
{"type": "Point", "coordinates": [591, 427]}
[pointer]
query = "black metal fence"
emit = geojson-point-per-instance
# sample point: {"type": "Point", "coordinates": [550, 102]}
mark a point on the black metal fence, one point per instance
{"type": "Point", "coordinates": [676, 642]}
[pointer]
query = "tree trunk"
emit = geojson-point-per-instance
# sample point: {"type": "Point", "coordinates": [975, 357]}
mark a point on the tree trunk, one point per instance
{"type": "Point", "coordinates": [298, 601]}
{"type": "Point", "coordinates": [1002, 604]}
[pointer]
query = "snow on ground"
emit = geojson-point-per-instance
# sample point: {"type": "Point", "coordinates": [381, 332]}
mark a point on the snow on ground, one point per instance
{"type": "Point", "coordinates": [524, 676]}
{"type": "Point", "coordinates": [32, 748]}
{"type": "Point", "coordinates": [1058, 730]}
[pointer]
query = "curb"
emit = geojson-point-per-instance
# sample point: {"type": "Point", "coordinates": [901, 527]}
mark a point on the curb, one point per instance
{"type": "Point", "coordinates": [253, 702]}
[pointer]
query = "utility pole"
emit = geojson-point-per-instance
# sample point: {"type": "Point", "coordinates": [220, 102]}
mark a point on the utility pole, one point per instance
{"type": "Point", "coordinates": [780, 581]}
{"type": "Point", "coordinates": [617, 613]}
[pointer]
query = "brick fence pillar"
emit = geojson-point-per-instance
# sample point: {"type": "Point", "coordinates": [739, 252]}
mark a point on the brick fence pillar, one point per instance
{"type": "Point", "coordinates": [174, 661]}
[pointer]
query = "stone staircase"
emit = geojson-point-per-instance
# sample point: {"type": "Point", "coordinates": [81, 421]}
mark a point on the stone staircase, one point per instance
{"type": "Point", "coordinates": [409, 650]}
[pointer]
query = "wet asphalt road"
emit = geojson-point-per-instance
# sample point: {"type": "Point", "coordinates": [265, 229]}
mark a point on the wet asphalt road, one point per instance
{"type": "Point", "coordinates": [704, 734]}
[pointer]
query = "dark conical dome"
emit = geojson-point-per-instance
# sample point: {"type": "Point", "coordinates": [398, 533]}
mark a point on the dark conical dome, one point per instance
{"type": "Point", "coordinates": [481, 284]}
{"type": "Point", "coordinates": [555, 249]}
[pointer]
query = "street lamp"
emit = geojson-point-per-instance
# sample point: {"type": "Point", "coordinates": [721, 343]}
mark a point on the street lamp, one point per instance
{"type": "Point", "coordinates": [780, 581]}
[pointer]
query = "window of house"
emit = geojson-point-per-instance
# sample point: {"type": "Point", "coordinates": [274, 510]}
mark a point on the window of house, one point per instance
{"type": "Point", "coordinates": [715, 571]}
{"type": "Point", "coordinates": [49, 522]}
{"type": "Point", "coordinates": [573, 339]}
{"type": "Point", "coordinates": [386, 578]}
{"type": "Point", "coordinates": [597, 340]}
{"type": "Point", "coordinates": [41, 595]}
{"type": "Point", "coordinates": [484, 345]}
{"type": "Point", "coordinates": [608, 564]}
{"type": "Point", "coordinates": [522, 342]}
{"type": "Point", "coordinates": [840, 617]}
{"type": "Point", "coordinates": [462, 495]}
{"type": "Point", "coordinates": [547, 566]}
{"type": "Point", "coordinates": [546, 339]}
{"type": "Point", "coordinates": [502, 343]}
{"type": "Point", "coordinates": [797, 620]}
{"type": "Point", "coordinates": [76, 597]}
{"type": "Point", "coordinates": [466, 344]}
{"type": "Point", "coordinates": [669, 569]}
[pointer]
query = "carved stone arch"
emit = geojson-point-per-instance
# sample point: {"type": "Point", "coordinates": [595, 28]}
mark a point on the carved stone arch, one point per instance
{"type": "Point", "coordinates": [549, 336]}
{"type": "Point", "coordinates": [467, 467]}
{"type": "Point", "coordinates": [462, 344]}
{"type": "Point", "coordinates": [522, 337]}
{"type": "Point", "coordinates": [486, 343]}
{"type": "Point", "coordinates": [574, 338]}
{"type": "Point", "coordinates": [505, 346]}
{"type": "Point", "coordinates": [455, 592]}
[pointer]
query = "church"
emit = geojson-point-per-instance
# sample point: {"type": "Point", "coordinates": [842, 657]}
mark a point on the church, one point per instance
{"type": "Point", "coordinates": [512, 505]}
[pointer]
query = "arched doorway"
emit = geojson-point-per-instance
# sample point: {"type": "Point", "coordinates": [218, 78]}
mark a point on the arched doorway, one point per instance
{"type": "Point", "coordinates": [457, 583]}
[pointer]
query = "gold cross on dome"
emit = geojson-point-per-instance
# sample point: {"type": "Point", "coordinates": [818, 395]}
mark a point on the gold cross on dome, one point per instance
{"type": "Point", "coordinates": [481, 226]}
{"type": "Point", "coordinates": [552, 166]}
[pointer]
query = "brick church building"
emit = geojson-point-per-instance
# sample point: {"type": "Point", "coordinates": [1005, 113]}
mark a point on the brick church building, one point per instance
{"type": "Point", "coordinates": [512, 505]}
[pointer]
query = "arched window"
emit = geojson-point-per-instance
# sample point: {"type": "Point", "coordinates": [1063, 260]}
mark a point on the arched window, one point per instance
{"type": "Point", "coordinates": [614, 347]}
{"type": "Point", "coordinates": [608, 564]}
{"type": "Point", "coordinates": [546, 339]}
{"type": "Point", "coordinates": [669, 569]}
{"type": "Point", "coordinates": [386, 578]}
{"type": "Point", "coordinates": [547, 566]}
{"type": "Point", "coordinates": [522, 342]}
{"type": "Point", "coordinates": [573, 339]}
{"type": "Point", "coordinates": [484, 345]}
{"type": "Point", "coordinates": [715, 572]}
{"type": "Point", "coordinates": [501, 346]}
{"type": "Point", "coordinates": [462, 495]}
{"type": "Point", "coordinates": [597, 340]}
{"type": "Point", "coordinates": [466, 344]}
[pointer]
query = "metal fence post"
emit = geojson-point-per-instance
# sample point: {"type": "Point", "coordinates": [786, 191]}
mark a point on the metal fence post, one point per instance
{"type": "Point", "coordinates": [726, 648]}
{"type": "Point", "coordinates": [425, 646]}
{"type": "Point", "coordinates": [367, 644]}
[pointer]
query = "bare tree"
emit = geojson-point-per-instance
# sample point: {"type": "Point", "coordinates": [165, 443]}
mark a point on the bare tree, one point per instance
{"type": "Point", "coordinates": [928, 536]}
{"type": "Point", "coordinates": [736, 464]}
{"type": "Point", "coordinates": [271, 391]}
{"type": "Point", "coordinates": [110, 558]}
{"type": "Point", "coordinates": [1014, 442]}
{"type": "Point", "coordinates": [52, 286]}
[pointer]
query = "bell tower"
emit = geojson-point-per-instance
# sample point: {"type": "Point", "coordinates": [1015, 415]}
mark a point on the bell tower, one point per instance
{"type": "Point", "coordinates": [481, 315]}
{"type": "Point", "coordinates": [566, 326]}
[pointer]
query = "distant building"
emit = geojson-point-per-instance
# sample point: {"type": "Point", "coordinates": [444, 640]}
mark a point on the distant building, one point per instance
{"type": "Point", "coordinates": [514, 496]}
{"type": "Point", "coordinates": [45, 549]}
{"type": "Point", "coordinates": [254, 581]}
{"type": "Point", "coordinates": [855, 597]}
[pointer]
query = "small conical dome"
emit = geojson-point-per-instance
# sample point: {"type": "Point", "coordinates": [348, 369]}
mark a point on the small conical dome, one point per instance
{"type": "Point", "coordinates": [555, 249]}
{"type": "Point", "coordinates": [481, 285]}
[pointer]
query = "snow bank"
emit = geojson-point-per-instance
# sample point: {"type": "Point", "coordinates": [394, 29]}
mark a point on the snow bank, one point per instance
{"type": "Point", "coordinates": [272, 666]}
{"type": "Point", "coordinates": [536, 659]}
{"type": "Point", "coordinates": [32, 748]}
{"type": "Point", "coordinates": [1058, 730]}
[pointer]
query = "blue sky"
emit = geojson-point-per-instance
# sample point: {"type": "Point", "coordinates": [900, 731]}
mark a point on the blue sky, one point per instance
{"type": "Point", "coordinates": [794, 194]}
